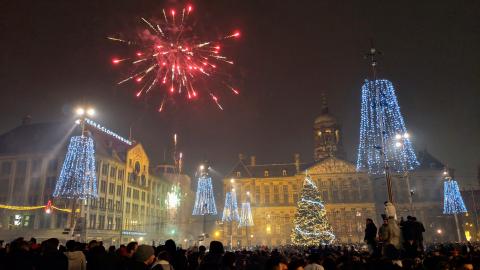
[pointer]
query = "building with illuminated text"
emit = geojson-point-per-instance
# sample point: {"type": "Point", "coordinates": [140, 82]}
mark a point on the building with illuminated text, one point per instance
{"type": "Point", "coordinates": [132, 193]}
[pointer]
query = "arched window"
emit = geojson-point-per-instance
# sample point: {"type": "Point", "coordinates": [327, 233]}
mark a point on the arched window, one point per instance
{"type": "Point", "coordinates": [284, 172]}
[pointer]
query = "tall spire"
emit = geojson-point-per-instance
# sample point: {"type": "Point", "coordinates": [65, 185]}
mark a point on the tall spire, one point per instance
{"type": "Point", "coordinates": [324, 107]}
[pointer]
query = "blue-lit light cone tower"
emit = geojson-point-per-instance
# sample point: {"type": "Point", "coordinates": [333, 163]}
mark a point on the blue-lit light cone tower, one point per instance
{"type": "Point", "coordinates": [230, 211]}
{"type": "Point", "coordinates": [204, 199]}
{"type": "Point", "coordinates": [380, 123]}
{"type": "Point", "coordinates": [246, 218]}
{"type": "Point", "coordinates": [452, 201]}
{"type": "Point", "coordinates": [77, 180]}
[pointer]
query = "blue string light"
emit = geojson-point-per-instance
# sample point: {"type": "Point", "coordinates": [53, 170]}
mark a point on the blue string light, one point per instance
{"type": "Point", "coordinates": [452, 198]}
{"type": "Point", "coordinates": [246, 218]}
{"type": "Point", "coordinates": [380, 112]}
{"type": "Point", "coordinates": [230, 210]}
{"type": "Point", "coordinates": [204, 199]}
{"type": "Point", "coordinates": [77, 178]}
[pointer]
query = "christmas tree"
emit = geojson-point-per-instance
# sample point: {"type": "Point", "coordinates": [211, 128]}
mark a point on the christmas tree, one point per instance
{"type": "Point", "coordinates": [77, 178]}
{"type": "Point", "coordinates": [310, 225]}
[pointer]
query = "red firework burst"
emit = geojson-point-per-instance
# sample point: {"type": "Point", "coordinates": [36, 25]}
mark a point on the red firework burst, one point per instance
{"type": "Point", "coordinates": [169, 57]}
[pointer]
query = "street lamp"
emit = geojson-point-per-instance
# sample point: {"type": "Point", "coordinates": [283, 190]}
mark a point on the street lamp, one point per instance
{"type": "Point", "coordinates": [82, 113]}
{"type": "Point", "coordinates": [90, 112]}
{"type": "Point", "coordinates": [400, 143]}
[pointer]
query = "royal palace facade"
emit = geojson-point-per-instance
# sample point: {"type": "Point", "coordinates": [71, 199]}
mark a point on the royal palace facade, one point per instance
{"type": "Point", "coordinates": [132, 193]}
{"type": "Point", "coordinates": [350, 196]}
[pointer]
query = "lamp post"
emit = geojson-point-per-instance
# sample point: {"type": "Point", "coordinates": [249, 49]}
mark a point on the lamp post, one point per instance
{"type": "Point", "coordinates": [202, 173]}
{"type": "Point", "coordinates": [400, 143]}
{"type": "Point", "coordinates": [81, 113]}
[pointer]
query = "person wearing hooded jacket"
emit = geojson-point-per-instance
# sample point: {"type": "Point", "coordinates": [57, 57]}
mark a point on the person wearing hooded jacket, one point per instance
{"type": "Point", "coordinates": [76, 258]}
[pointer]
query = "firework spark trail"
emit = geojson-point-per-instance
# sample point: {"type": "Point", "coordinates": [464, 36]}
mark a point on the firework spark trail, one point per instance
{"type": "Point", "coordinates": [181, 62]}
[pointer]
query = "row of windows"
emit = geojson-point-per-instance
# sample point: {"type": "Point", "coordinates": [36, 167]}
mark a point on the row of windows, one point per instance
{"type": "Point", "coordinates": [111, 188]}
{"type": "Point", "coordinates": [100, 203]}
{"type": "Point", "coordinates": [333, 196]}
{"type": "Point", "coordinates": [114, 173]}
{"type": "Point", "coordinates": [104, 223]}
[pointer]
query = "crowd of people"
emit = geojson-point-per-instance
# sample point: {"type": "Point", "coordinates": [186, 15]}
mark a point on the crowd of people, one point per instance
{"type": "Point", "coordinates": [406, 235]}
{"type": "Point", "coordinates": [50, 254]}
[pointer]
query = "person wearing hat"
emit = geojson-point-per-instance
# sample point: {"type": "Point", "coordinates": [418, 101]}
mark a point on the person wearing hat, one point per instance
{"type": "Point", "coordinates": [143, 258]}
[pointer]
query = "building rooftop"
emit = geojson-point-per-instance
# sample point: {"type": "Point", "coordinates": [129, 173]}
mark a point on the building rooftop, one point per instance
{"type": "Point", "coordinates": [41, 138]}
{"type": "Point", "coordinates": [263, 170]}
{"type": "Point", "coordinates": [427, 161]}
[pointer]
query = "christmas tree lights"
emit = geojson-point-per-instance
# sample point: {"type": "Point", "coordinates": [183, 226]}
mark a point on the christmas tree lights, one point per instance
{"type": "Point", "coordinates": [452, 198]}
{"type": "Point", "coordinates": [310, 224]}
{"type": "Point", "coordinates": [246, 218]}
{"type": "Point", "coordinates": [77, 178]}
{"type": "Point", "coordinates": [230, 211]}
{"type": "Point", "coordinates": [380, 126]}
{"type": "Point", "coordinates": [204, 199]}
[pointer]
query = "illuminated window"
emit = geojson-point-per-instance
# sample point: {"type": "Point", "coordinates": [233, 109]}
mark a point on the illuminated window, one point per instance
{"type": "Point", "coordinates": [285, 194]}
{"type": "Point", "coordinates": [276, 195]}
{"type": "Point", "coordinates": [284, 172]}
{"type": "Point", "coordinates": [267, 195]}
{"type": "Point", "coordinates": [111, 188]}
{"type": "Point", "coordinates": [102, 203]}
{"type": "Point", "coordinates": [103, 186]}
{"type": "Point", "coordinates": [113, 172]}
{"type": "Point", "coordinates": [257, 194]}
{"type": "Point", "coordinates": [105, 169]}
{"type": "Point", "coordinates": [265, 173]}
{"type": "Point", "coordinates": [239, 174]}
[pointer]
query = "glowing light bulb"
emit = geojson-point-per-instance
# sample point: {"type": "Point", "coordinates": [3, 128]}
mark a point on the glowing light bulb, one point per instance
{"type": "Point", "coordinates": [80, 111]}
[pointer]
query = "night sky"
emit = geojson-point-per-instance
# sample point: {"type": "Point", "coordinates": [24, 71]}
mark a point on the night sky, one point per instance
{"type": "Point", "coordinates": [54, 55]}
